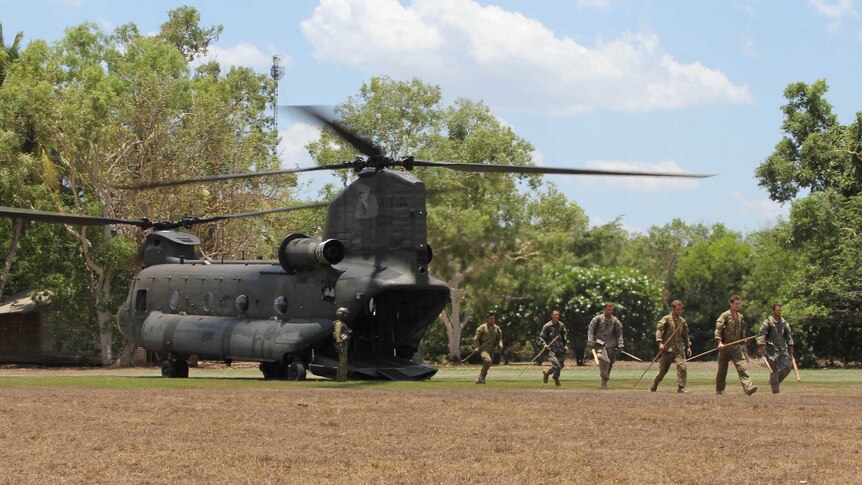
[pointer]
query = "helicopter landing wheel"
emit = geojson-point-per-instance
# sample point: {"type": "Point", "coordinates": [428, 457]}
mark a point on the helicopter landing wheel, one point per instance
{"type": "Point", "coordinates": [169, 368]}
{"type": "Point", "coordinates": [296, 371]}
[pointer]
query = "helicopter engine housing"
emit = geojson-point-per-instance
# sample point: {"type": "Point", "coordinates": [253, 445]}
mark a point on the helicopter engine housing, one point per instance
{"type": "Point", "coordinates": [298, 251]}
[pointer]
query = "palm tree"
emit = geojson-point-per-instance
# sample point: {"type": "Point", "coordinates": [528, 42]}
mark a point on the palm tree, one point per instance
{"type": "Point", "coordinates": [9, 54]}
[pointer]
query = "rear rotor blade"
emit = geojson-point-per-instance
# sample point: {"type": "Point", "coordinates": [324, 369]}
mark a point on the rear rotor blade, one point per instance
{"type": "Point", "coordinates": [497, 168]}
{"type": "Point", "coordinates": [61, 218]}
{"type": "Point", "coordinates": [310, 205]}
{"type": "Point", "coordinates": [214, 178]}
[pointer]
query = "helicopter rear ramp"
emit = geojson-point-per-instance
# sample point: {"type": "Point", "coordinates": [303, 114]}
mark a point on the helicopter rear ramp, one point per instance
{"type": "Point", "coordinates": [376, 368]}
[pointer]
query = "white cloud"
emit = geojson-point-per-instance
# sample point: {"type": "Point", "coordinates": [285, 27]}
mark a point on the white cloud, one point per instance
{"type": "Point", "coordinates": [637, 183]}
{"type": "Point", "coordinates": [765, 210]}
{"type": "Point", "coordinates": [509, 60]}
{"type": "Point", "coordinates": [291, 149]}
{"type": "Point", "coordinates": [837, 9]}
{"type": "Point", "coordinates": [242, 54]}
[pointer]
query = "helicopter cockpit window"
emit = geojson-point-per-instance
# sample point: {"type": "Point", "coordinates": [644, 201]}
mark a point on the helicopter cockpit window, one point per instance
{"type": "Point", "coordinates": [280, 305]}
{"type": "Point", "coordinates": [141, 301]}
{"type": "Point", "coordinates": [242, 303]}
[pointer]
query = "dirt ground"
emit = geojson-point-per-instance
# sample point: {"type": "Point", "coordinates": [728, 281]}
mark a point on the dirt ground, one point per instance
{"type": "Point", "coordinates": [448, 430]}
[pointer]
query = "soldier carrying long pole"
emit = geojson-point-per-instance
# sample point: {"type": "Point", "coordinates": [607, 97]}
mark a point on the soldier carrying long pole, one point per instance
{"type": "Point", "coordinates": [657, 355]}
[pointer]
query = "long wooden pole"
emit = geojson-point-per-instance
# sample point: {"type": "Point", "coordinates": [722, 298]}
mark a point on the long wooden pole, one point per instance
{"type": "Point", "coordinates": [767, 363]}
{"type": "Point", "coordinates": [537, 356]}
{"type": "Point", "coordinates": [669, 339]}
{"type": "Point", "coordinates": [635, 357]}
{"type": "Point", "coordinates": [468, 357]}
{"type": "Point", "coordinates": [713, 350]}
{"type": "Point", "coordinates": [796, 369]}
{"type": "Point", "coordinates": [595, 356]}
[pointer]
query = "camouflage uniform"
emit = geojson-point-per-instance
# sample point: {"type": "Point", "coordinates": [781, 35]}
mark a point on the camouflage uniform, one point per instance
{"type": "Point", "coordinates": [674, 351]}
{"type": "Point", "coordinates": [775, 336]}
{"type": "Point", "coordinates": [728, 329]}
{"type": "Point", "coordinates": [557, 350]}
{"type": "Point", "coordinates": [605, 334]}
{"type": "Point", "coordinates": [487, 341]}
{"type": "Point", "coordinates": [341, 333]}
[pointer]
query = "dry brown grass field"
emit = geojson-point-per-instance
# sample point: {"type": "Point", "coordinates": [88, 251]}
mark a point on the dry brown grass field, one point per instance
{"type": "Point", "coordinates": [229, 426]}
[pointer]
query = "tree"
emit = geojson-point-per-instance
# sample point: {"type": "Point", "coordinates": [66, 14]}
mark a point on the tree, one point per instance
{"type": "Point", "coordinates": [707, 275]}
{"type": "Point", "coordinates": [107, 110]}
{"type": "Point", "coordinates": [8, 54]}
{"type": "Point", "coordinates": [183, 30]}
{"type": "Point", "coordinates": [821, 155]}
{"type": "Point", "coordinates": [817, 152]}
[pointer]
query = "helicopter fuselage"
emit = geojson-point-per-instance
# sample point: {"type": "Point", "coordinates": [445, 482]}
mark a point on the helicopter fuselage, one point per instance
{"type": "Point", "coordinates": [283, 311]}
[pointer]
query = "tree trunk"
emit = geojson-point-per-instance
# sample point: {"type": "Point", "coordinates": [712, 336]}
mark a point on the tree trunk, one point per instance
{"type": "Point", "coordinates": [453, 322]}
{"type": "Point", "coordinates": [17, 228]}
{"type": "Point", "coordinates": [127, 354]}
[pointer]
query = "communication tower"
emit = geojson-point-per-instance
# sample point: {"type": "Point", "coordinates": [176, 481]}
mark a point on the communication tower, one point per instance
{"type": "Point", "coordinates": [277, 72]}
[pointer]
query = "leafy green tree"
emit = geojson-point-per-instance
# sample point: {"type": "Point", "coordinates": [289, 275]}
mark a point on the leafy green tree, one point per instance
{"type": "Point", "coordinates": [707, 275]}
{"type": "Point", "coordinates": [108, 110]}
{"type": "Point", "coordinates": [8, 54]}
{"type": "Point", "coordinates": [579, 293]}
{"type": "Point", "coordinates": [817, 153]}
{"type": "Point", "coordinates": [824, 157]}
{"type": "Point", "coordinates": [184, 31]}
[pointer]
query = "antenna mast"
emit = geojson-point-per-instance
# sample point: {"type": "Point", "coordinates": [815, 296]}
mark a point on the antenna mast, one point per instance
{"type": "Point", "coordinates": [277, 73]}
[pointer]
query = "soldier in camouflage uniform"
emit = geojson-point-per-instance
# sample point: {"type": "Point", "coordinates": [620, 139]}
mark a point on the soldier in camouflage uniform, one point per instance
{"type": "Point", "coordinates": [605, 334]}
{"type": "Point", "coordinates": [674, 351]}
{"type": "Point", "coordinates": [488, 339]}
{"type": "Point", "coordinates": [730, 327]}
{"type": "Point", "coordinates": [776, 344]}
{"type": "Point", "coordinates": [557, 349]}
{"type": "Point", "coordinates": [341, 333]}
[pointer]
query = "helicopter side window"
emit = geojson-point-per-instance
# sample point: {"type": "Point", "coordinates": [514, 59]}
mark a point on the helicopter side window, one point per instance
{"type": "Point", "coordinates": [141, 301]}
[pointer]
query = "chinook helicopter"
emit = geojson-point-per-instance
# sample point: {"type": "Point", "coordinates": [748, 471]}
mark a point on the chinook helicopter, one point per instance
{"type": "Point", "coordinates": [372, 259]}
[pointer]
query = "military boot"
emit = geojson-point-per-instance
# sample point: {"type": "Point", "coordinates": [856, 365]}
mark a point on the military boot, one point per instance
{"type": "Point", "coordinates": [653, 387]}
{"type": "Point", "coordinates": [681, 390]}
{"type": "Point", "coordinates": [545, 375]}
{"type": "Point", "coordinates": [776, 391]}
{"type": "Point", "coordinates": [480, 380]}
{"type": "Point", "coordinates": [557, 381]}
{"type": "Point", "coordinates": [751, 390]}
{"type": "Point", "coordinates": [604, 384]}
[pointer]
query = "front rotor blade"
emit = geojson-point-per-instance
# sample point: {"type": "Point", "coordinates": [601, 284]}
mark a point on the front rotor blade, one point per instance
{"type": "Point", "coordinates": [363, 146]}
{"type": "Point", "coordinates": [61, 218]}
{"type": "Point", "coordinates": [235, 176]}
{"type": "Point", "coordinates": [496, 168]}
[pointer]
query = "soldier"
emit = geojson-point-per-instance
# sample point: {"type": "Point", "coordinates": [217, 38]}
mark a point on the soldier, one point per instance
{"type": "Point", "coordinates": [730, 327]}
{"type": "Point", "coordinates": [675, 350]}
{"type": "Point", "coordinates": [604, 334]}
{"type": "Point", "coordinates": [775, 342]}
{"type": "Point", "coordinates": [553, 340]}
{"type": "Point", "coordinates": [488, 339]}
{"type": "Point", "coordinates": [341, 332]}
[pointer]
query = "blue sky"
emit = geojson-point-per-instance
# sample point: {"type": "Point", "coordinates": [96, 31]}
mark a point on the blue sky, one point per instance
{"type": "Point", "coordinates": [687, 85]}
